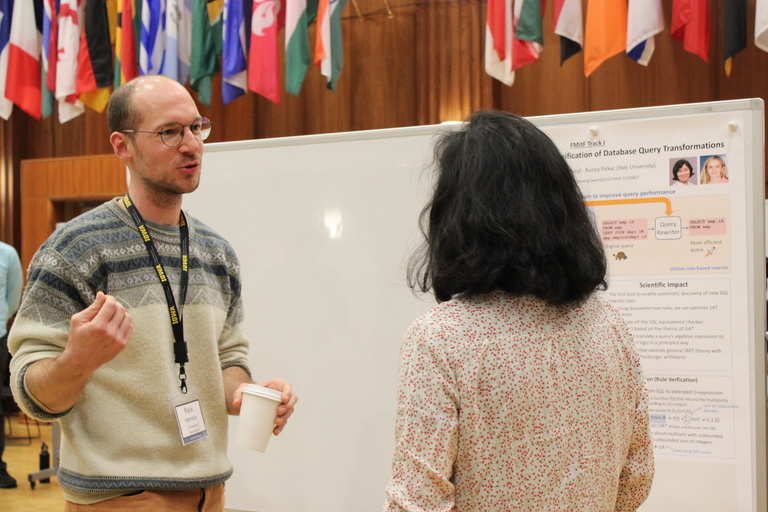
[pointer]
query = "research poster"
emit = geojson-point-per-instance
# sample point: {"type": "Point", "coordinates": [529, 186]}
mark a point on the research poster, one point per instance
{"type": "Point", "coordinates": [671, 198]}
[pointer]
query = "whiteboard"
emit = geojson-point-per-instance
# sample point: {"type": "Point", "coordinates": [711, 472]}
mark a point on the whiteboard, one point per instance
{"type": "Point", "coordinates": [324, 225]}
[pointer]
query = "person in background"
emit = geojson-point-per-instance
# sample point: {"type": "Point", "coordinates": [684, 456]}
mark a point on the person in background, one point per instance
{"type": "Point", "coordinates": [714, 171]}
{"type": "Point", "coordinates": [11, 283]}
{"type": "Point", "coordinates": [522, 389]}
{"type": "Point", "coordinates": [130, 333]}
{"type": "Point", "coordinates": [682, 172]}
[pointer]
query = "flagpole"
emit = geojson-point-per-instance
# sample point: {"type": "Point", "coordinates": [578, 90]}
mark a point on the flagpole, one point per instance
{"type": "Point", "coordinates": [390, 14]}
{"type": "Point", "coordinates": [357, 9]}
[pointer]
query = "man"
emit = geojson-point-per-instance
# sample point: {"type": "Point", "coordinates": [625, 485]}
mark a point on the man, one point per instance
{"type": "Point", "coordinates": [130, 333]}
{"type": "Point", "coordinates": [11, 281]}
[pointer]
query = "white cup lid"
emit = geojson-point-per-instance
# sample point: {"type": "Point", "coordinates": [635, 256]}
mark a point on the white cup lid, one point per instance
{"type": "Point", "coordinates": [261, 391]}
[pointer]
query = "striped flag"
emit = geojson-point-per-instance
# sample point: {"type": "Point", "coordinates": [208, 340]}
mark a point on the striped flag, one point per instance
{"type": "Point", "coordinates": [761, 24]}
{"type": "Point", "coordinates": [298, 15]}
{"type": "Point", "coordinates": [94, 64]}
{"type": "Point", "coordinates": [233, 65]}
{"type": "Point", "coordinates": [126, 64]}
{"type": "Point", "coordinates": [529, 36]}
{"type": "Point", "coordinates": [331, 68]}
{"type": "Point", "coordinates": [498, 41]}
{"type": "Point", "coordinates": [734, 30]}
{"type": "Point", "coordinates": [568, 23]}
{"type": "Point", "coordinates": [644, 20]}
{"type": "Point", "coordinates": [328, 43]}
{"type": "Point", "coordinates": [691, 25]}
{"type": "Point", "coordinates": [23, 86]}
{"type": "Point", "coordinates": [322, 31]}
{"type": "Point", "coordinates": [263, 61]}
{"type": "Point", "coordinates": [178, 39]}
{"type": "Point", "coordinates": [152, 47]}
{"type": "Point", "coordinates": [173, 11]}
{"type": "Point", "coordinates": [606, 32]}
{"type": "Point", "coordinates": [6, 15]}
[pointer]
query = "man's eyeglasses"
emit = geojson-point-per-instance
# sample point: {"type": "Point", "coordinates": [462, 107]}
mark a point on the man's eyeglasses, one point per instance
{"type": "Point", "coordinates": [173, 134]}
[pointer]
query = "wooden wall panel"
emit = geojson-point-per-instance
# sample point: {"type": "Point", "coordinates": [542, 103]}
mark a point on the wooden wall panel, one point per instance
{"type": "Point", "coordinates": [46, 182]}
{"type": "Point", "coordinates": [383, 83]}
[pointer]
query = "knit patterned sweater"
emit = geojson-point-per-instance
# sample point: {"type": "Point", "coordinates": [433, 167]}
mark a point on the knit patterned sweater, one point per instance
{"type": "Point", "coordinates": [122, 434]}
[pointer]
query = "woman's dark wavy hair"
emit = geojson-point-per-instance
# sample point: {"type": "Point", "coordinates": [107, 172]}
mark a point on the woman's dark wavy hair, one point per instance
{"type": "Point", "coordinates": [506, 214]}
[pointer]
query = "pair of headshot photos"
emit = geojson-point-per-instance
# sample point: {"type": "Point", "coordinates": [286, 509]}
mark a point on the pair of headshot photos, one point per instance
{"type": "Point", "coordinates": [702, 170]}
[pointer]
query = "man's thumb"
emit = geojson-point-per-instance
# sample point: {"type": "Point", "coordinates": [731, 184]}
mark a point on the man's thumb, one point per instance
{"type": "Point", "coordinates": [91, 311]}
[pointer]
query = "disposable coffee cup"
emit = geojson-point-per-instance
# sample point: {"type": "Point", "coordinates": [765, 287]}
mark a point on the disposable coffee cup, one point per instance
{"type": "Point", "coordinates": [257, 417]}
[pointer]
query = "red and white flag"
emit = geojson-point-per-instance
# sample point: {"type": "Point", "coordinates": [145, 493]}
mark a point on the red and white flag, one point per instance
{"type": "Point", "coordinates": [23, 84]}
{"type": "Point", "coordinates": [70, 16]}
{"type": "Point", "coordinates": [498, 41]}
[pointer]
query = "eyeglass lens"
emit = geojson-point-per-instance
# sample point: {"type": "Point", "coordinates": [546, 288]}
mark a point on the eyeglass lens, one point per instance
{"type": "Point", "coordinates": [173, 134]}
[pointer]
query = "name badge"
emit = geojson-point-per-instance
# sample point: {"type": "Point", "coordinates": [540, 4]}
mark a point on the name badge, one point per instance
{"type": "Point", "coordinates": [189, 417]}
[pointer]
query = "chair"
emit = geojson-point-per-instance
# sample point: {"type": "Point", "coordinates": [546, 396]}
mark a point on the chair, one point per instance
{"type": "Point", "coordinates": [10, 409]}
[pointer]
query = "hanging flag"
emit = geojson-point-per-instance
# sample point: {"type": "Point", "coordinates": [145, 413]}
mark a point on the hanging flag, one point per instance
{"type": "Point", "coordinates": [49, 21]}
{"type": "Point", "coordinates": [568, 23]}
{"type": "Point", "coordinates": [263, 60]}
{"type": "Point", "coordinates": [498, 41]}
{"type": "Point", "coordinates": [94, 65]}
{"type": "Point", "coordinates": [234, 79]}
{"type": "Point", "coordinates": [644, 20]}
{"type": "Point", "coordinates": [6, 15]}
{"type": "Point", "coordinates": [298, 15]}
{"type": "Point", "coordinates": [185, 41]}
{"type": "Point", "coordinates": [206, 46]}
{"type": "Point", "coordinates": [152, 47]}
{"type": "Point", "coordinates": [322, 31]}
{"type": "Point", "coordinates": [761, 24]}
{"type": "Point", "coordinates": [691, 25]}
{"type": "Point", "coordinates": [529, 36]}
{"type": "Point", "coordinates": [52, 8]}
{"type": "Point", "coordinates": [734, 30]}
{"type": "Point", "coordinates": [173, 12]}
{"type": "Point", "coordinates": [23, 85]}
{"type": "Point", "coordinates": [606, 32]}
{"type": "Point", "coordinates": [332, 64]}
{"type": "Point", "coordinates": [328, 40]}
{"type": "Point", "coordinates": [70, 15]}
{"type": "Point", "coordinates": [126, 65]}
{"type": "Point", "coordinates": [178, 38]}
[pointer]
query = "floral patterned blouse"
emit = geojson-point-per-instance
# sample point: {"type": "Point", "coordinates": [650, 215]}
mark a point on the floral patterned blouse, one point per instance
{"type": "Point", "coordinates": [508, 404]}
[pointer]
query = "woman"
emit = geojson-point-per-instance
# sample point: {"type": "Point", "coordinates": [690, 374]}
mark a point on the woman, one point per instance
{"type": "Point", "coordinates": [714, 171]}
{"type": "Point", "coordinates": [682, 172]}
{"type": "Point", "coordinates": [522, 389]}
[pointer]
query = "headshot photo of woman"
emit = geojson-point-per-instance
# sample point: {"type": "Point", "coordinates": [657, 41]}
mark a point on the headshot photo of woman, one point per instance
{"type": "Point", "coordinates": [714, 171]}
{"type": "Point", "coordinates": [682, 173]}
{"type": "Point", "coordinates": [522, 388]}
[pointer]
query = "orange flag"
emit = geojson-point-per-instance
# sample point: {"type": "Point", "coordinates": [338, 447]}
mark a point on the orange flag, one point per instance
{"type": "Point", "coordinates": [606, 32]}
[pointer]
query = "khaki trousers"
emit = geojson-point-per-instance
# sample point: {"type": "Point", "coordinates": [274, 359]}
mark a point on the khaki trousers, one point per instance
{"type": "Point", "coordinates": [210, 499]}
